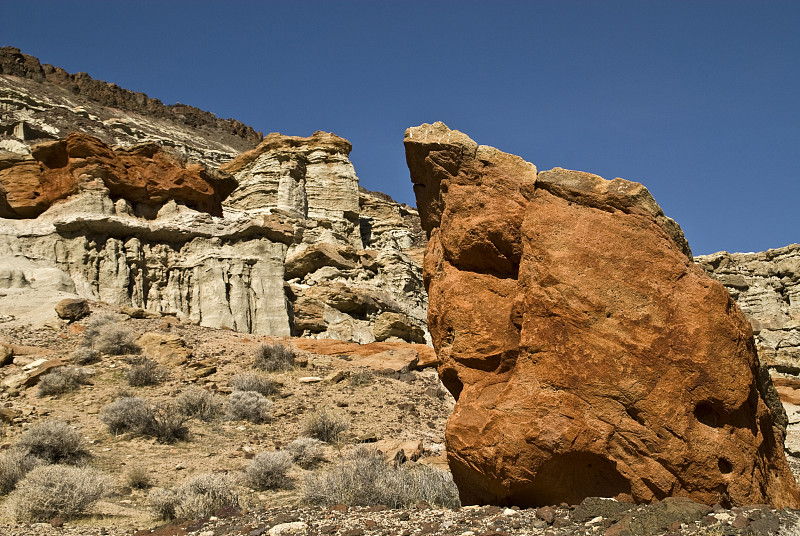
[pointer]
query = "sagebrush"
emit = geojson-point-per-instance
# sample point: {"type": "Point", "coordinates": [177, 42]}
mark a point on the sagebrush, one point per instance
{"type": "Point", "coordinates": [62, 380]}
{"type": "Point", "coordinates": [363, 478]}
{"type": "Point", "coordinates": [64, 491]}
{"type": "Point", "coordinates": [107, 334]}
{"type": "Point", "coordinates": [199, 403]}
{"type": "Point", "coordinates": [140, 417]}
{"type": "Point", "coordinates": [274, 357]}
{"type": "Point", "coordinates": [325, 425]}
{"type": "Point", "coordinates": [268, 470]}
{"type": "Point", "coordinates": [53, 442]}
{"type": "Point", "coordinates": [144, 372]}
{"type": "Point", "coordinates": [14, 465]}
{"type": "Point", "coordinates": [307, 452]}
{"type": "Point", "coordinates": [248, 406]}
{"type": "Point", "coordinates": [247, 381]}
{"type": "Point", "coordinates": [201, 497]}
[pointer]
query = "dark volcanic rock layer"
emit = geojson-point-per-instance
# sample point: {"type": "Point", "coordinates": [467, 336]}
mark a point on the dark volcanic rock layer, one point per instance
{"type": "Point", "coordinates": [589, 355]}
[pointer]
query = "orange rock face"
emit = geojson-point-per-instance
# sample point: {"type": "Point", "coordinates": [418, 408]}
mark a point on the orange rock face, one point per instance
{"type": "Point", "coordinates": [144, 174]}
{"type": "Point", "coordinates": [588, 354]}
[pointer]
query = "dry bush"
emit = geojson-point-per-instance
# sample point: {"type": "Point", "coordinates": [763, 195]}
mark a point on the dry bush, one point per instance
{"type": "Point", "coordinates": [361, 377]}
{"type": "Point", "coordinates": [248, 406]}
{"type": "Point", "coordinates": [84, 356]}
{"type": "Point", "coordinates": [140, 417]}
{"type": "Point", "coordinates": [108, 335]}
{"type": "Point", "coordinates": [247, 381]}
{"type": "Point", "coordinates": [53, 442]}
{"type": "Point", "coordinates": [127, 414]}
{"type": "Point", "coordinates": [274, 358]}
{"type": "Point", "coordinates": [325, 425]}
{"type": "Point", "coordinates": [268, 470]}
{"type": "Point", "coordinates": [62, 380]}
{"type": "Point", "coordinates": [13, 467]}
{"type": "Point", "coordinates": [144, 372]}
{"type": "Point", "coordinates": [57, 491]}
{"type": "Point", "coordinates": [138, 477]}
{"type": "Point", "coordinates": [199, 403]}
{"type": "Point", "coordinates": [306, 451]}
{"type": "Point", "coordinates": [201, 497]}
{"type": "Point", "coordinates": [363, 478]}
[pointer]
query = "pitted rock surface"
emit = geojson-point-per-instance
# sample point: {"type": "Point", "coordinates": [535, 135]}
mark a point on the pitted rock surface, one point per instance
{"type": "Point", "coordinates": [589, 355]}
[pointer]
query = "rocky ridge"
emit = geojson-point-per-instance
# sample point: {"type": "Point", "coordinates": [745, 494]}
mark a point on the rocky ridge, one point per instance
{"type": "Point", "coordinates": [42, 102]}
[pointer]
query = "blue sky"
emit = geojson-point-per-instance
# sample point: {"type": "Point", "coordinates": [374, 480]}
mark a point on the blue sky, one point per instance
{"type": "Point", "coordinates": [698, 100]}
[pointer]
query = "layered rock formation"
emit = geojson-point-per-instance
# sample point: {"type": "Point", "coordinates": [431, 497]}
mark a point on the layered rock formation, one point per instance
{"type": "Point", "coordinates": [163, 230]}
{"type": "Point", "coordinates": [144, 175]}
{"type": "Point", "coordinates": [42, 102]}
{"type": "Point", "coordinates": [766, 286]}
{"type": "Point", "coordinates": [340, 282]}
{"type": "Point", "coordinates": [588, 354]}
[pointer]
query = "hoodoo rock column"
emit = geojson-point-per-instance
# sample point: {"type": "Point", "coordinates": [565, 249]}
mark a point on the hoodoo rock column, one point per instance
{"type": "Point", "coordinates": [588, 354]}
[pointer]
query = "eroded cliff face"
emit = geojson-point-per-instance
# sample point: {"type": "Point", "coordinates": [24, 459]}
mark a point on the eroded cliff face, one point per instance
{"type": "Point", "coordinates": [766, 286]}
{"type": "Point", "coordinates": [41, 102]}
{"type": "Point", "coordinates": [353, 272]}
{"type": "Point", "coordinates": [588, 354]}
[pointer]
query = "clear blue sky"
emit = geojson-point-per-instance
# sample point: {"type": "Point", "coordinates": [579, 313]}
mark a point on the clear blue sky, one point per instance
{"type": "Point", "coordinates": [698, 100]}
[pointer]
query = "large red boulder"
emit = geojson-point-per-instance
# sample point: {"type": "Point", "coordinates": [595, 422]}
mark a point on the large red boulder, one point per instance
{"type": "Point", "coordinates": [143, 174]}
{"type": "Point", "coordinates": [588, 354]}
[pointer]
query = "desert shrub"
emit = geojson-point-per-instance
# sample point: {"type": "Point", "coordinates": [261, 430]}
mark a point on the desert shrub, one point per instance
{"type": "Point", "coordinates": [363, 478]}
{"type": "Point", "coordinates": [163, 502]}
{"type": "Point", "coordinates": [306, 451]}
{"type": "Point", "coordinates": [14, 465]}
{"type": "Point", "coordinates": [57, 491]}
{"type": "Point", "coordinates": [248, 406]}
{"type": "Point", "coordinates": [138, 477]}
{"type": "Point", "coordinates": [126, 414]}
{"type": "Point", "coordinates": [143, 372]}
{"type": "Point", "coordinates": [167, 424]}
{"type": "Point", "coordinates": [325, 425]}
{"type": "Point", "coordinates": [140, 417]}
{"type": "Point", "coordinates": [200, 403]}
{"type": "Point", "coordinates": [106, 334]}
{"type": "Point", "coordinates": [274, 357]}
{"type": "Point", "coordinates": [268, 470]}
{"type": "Point", "coordinates": [53, 442]}
{"type": "Point", "coordinates": [84, 356]}
{"type": "Point", "coordinates": [198, 498]}
{"type": "Point", "coordinates": [361, 377]}
{"type": "Point", "coordinates": [247, 381]}
{"type": "Point", "coordinates": [62, 380]}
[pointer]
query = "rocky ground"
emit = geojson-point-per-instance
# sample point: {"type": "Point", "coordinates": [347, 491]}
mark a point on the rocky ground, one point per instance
{"type": "Point", "coordinates": [386, 406]}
